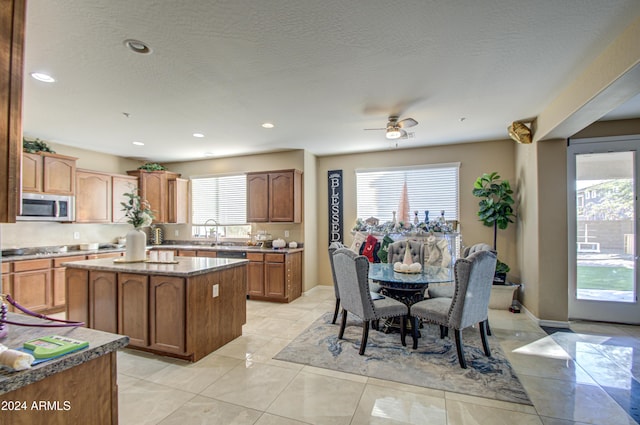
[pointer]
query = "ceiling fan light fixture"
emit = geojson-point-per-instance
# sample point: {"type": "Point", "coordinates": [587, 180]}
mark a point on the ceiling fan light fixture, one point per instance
{"type": "Point", "coordinates": [393, 133]}
{"type": "Point", "coordinates": [520, 133]}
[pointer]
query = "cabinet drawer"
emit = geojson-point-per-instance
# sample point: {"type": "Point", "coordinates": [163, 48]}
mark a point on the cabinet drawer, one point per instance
{"type": "Point", "coordinates": [274, 258]}
{"type": "Point", "coordinates": [255, 256]}
{"type": "Point", "coordinates": [58, 261]}
{"type": "Point", "coordinates": [6, 267]}
{"type": "Point", "coordinates": [22, 266]}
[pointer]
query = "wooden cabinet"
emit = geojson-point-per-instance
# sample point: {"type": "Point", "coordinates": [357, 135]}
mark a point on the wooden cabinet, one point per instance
{"type": "Point", "coordinates": [45, 172]}
{"type": "Point", "coordinates": [103, 299]}
{"type": "Point", "coordinates": [32, 284]}
{"type": "Point", "coordinates": [120, 186]}
{"type": "Point", "coordinates": [274, 196]}
{"type": "Point", "coordinates": [58, 299]}
{"type": "Point", "coordinates": [93, 197]}
{"type": "Point", "coordinates": [154, 187]}
{"type": "Point", "coordinates": [187, 253]}
{"type": "Point", "coordinates": [274, 276]}
{"type": "Point", "coordinates": [210, 254]}
{"type": "Point", "coordinates": [167, 296]}
{"type": "Point", "coordinates": [12, 26]}
{"type": "Point", "coordinates": [133, 312]}
{"type": "Point", "coordinates": [255, 274]}
{"type": "Point", "coordinates": [178, 201]}
{"type": "Point", "coordinates": [6, 282]}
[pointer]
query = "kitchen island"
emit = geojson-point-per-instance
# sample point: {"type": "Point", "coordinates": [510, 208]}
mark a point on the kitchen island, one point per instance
{"type": "Point", "coordinates": [186, 309]}
{"type": "Point", "coordinates": [77, 388]}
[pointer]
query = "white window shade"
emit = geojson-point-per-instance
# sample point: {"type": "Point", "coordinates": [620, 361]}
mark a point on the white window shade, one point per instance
{"type": "Point", "coordinates": [223, 198]}
{"type": "Point", "coordinates": [432, 188]}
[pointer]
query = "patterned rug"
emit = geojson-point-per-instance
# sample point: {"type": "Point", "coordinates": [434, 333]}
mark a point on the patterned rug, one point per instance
{"type": "Point", "coordinates": [434, 364]}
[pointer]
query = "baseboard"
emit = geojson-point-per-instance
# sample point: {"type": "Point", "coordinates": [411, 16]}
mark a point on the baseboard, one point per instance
{"type": "Point", "coordinates": [541, 322]}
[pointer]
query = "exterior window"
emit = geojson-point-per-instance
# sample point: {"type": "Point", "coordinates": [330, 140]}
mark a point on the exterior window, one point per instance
{"type": "Point", "coordinates": [223, 199]}
{"type": "Point", "coordinates": [432, 188]}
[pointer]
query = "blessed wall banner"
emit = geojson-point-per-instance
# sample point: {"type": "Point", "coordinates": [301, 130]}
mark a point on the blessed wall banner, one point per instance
{"type": "Point", "coordinates": [335, 206]}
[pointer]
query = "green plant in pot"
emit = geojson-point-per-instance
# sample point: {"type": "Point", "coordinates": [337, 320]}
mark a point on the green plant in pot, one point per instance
{"type": "Point", "coordinates": [496, 210]}
{"type": "Point", "coordinates": [152, 166]}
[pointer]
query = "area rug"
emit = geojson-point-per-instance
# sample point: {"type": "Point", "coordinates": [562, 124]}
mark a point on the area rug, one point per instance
{"type": "Point", "coordinates": [434, 364]}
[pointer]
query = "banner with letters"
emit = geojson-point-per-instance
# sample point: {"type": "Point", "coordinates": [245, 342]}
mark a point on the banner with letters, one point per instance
{"type": "Point", "coordinates": [335, 206]}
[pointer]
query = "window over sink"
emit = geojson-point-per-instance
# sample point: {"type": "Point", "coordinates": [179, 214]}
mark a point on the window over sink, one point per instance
{"type": "Point", "coordinates": [219, 199]}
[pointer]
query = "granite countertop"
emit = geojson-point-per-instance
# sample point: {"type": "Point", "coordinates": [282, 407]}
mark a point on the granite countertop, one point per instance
{"type": "Point", "coordinates": [100, 343]}
{"type": "Point", "coordinates": [69, 253]}
{"type": "Point", "coordinates": [240, 248]}
{"type": "Point", "coordinates": [183, 266]}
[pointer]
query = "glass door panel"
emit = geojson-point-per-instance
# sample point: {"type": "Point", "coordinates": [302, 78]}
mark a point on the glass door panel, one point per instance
{"type": "Point", "coordinates": [603, 243]}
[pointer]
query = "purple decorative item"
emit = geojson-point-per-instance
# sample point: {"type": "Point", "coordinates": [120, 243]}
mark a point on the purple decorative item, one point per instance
{"type": "Point", "coordinates": [3, 317]}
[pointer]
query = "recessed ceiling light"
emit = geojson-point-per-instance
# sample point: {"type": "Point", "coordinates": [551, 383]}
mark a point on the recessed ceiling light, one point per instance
{"type": "Point", "coordinates": [199, 135]}
{"type": "Point", "coordinates": [137, 46]}
{"type": "Point", "coordinates": [268, 125]}
{"type": "Point", "coordinates": [46, 78]}
{"type": "Point", "coordinates": [462, 119]}
{"type": "Point", "coordinates": [138, 143]}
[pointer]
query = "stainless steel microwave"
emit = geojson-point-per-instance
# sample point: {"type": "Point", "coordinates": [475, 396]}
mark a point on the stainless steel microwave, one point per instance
{"type": "Point", "coordinates": [46, 207]}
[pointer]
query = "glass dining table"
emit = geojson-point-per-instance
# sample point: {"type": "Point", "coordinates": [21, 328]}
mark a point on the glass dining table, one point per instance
{"type": "Point", "coordinates": [408, 288]}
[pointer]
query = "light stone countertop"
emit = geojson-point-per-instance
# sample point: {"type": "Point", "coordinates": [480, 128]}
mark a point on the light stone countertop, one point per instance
{"type": "Point", "coordinates": [100, 343]}
{"type": "Point", "coordinates": [183, 266]}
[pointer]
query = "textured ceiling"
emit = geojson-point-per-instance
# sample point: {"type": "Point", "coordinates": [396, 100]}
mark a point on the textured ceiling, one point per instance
{"type": "Point", "coordinates": [321, 71]}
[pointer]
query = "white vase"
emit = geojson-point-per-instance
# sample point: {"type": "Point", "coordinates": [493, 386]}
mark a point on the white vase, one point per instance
{"type": "Point", "coordinates": [136, 245]}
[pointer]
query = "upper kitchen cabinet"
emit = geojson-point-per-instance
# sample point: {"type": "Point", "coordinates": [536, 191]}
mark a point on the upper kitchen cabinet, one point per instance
{"type": "Point", "coordinates": [274, 196]}
{"type": "Point", "coordinates": [12, 24]}
{"type": "Point", "coordinates": [178, 208]}
{"type": "Point", "coordinates": [45, 172]}
{"type": "Point", "coordinates": [94, 197]}
{"type": "Point", "coordinates": [154, 187]}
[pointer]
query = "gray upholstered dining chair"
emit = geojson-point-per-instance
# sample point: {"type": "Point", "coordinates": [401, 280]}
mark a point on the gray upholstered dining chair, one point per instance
{"type": "Point", "coordinates": [352, 278]}
{"type": "Point", "coordinates": [332, 248]}
{"type": "Point", "coordinates": [397, 249]}
{"type": "Point", "coordinates": [469, 305]}
{"type": "Point", "coordinates": [446, 291]}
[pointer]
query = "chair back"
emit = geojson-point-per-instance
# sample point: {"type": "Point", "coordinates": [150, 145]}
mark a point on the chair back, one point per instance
{"type": "Point", "coordinates": [473, 280]}
{"type": "Point", "coordinates": [475, 248]}
{"type": "Point", "coordinates": [332, 248]}
{"type": "Point", "coordinates": [396, 251]}
{"type": "Point", "coordinates": [352, 278]}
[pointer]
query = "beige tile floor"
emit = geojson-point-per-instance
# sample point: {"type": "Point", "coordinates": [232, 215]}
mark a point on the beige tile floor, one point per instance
{"type": "Point", "coordinates": [241, 384]}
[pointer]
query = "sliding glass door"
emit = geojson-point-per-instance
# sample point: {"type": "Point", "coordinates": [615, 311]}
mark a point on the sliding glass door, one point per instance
{"type": "Point", "coordinates": [603, 222]}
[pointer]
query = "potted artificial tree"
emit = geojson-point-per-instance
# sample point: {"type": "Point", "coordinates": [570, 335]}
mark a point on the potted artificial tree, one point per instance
{"type": "Point", "coordinates": [496, 210]}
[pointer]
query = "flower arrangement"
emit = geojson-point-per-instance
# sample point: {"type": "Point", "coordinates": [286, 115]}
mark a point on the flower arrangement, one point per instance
{"type": "Point", "coordinates": [137, 211]}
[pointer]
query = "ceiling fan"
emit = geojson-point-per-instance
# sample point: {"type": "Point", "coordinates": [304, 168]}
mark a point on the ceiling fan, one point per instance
{"type": "Point", "coordinates": [395, 128]}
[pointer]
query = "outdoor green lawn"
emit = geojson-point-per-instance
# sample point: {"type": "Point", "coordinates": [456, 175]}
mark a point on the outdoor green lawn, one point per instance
{"type": "Point", "coordinates": [613, 278]}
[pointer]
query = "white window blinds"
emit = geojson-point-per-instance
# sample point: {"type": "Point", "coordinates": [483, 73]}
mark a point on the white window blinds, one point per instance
{"type": "Point", "coordinates": [432, 188]}
{"type": "Point", "coordinates": [223, 198]}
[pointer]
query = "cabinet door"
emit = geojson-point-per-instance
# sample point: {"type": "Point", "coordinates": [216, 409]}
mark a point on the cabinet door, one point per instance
{"type": "Point", "coordinates": [31, 172]}
{"type": "Point", "coordinates": [257, 198]}
{"type": "Point", "coordinates": [281, 196]}
{"type": "Point", "coordinates": [6, 288]}
{"type": "Point", "coordinates": [121, 185]}
{"type": "Point", "coordinates": [275, 276]}
{"type": "Point", "coordinates": [103, 301]}
{"type": "Point", "coordinates": [210, 254]}
{"type": "Point", "coordinates": [178, 208]}
{"type": "Point", "coordinates": [32, 289]}
{"type": "Point", "coordinates": [133, 308]}
{"type": "Point", "coordinates": [59, 175]}
{"type": "Point", "coordinates": [77, 295]}
{"type": "Point", "coordinates": [93, 197]}
{"type": "Point", "coordinates": [153, 188]}
{"type": "Point", "coordinates": [186, 253]}
{"type": "Point", "coordinates": [255, 277]}
{"type": "Point", "coordinates": [167, 315]}
{"type": "Point", "coordinates": [294, 276]}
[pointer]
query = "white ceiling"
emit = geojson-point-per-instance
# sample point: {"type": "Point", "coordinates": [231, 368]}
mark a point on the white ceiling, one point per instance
{"type": "Point", "coordinates": [321, 71]}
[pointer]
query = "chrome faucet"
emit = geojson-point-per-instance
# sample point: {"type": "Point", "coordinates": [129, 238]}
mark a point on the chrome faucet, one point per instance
{"type": "Point", "coordinates": [209, 233]}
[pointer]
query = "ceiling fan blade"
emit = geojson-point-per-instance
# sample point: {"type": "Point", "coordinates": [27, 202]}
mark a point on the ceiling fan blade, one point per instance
{"type": "Point", "coordinates": [407, 122]}
{"type": "Point", "coordinates": [374, 129]}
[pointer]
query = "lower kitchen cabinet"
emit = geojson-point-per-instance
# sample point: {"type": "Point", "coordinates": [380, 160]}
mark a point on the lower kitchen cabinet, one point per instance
{"type": "Point", "coordinates": [275, 276]}
{"type": "Point", "coordinates": [6, 282]}
{"type": "Point", "coordinates": [133, 314]}
{"type": "Point", "coordinates": [32, 284]}
{"type": "Point", "coordinates": [103, 299]}
{"type": "Point", "coordinates": [167, 314]}
{"type": "Point", "coordinates": [58, 299]}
